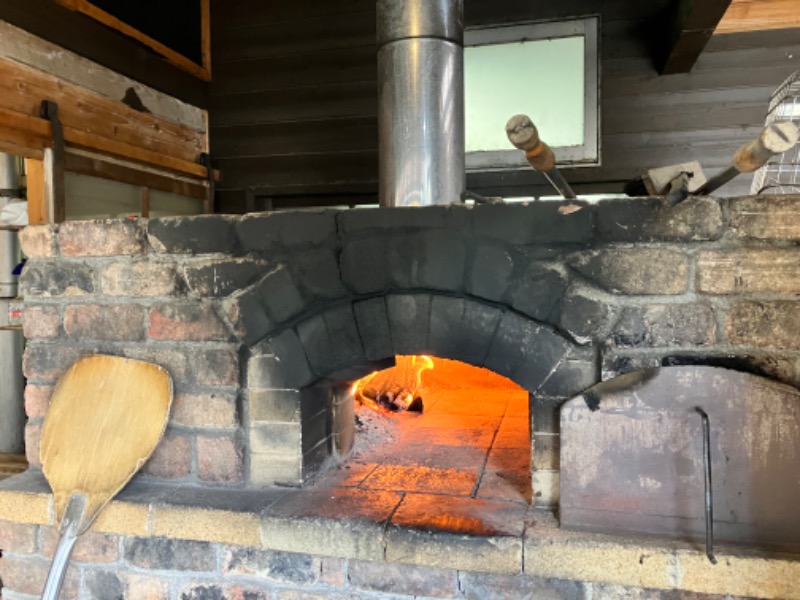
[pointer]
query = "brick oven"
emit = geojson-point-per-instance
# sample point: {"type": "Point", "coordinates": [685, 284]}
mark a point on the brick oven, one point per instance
{"type": "Point", "coordinates": [264, 321]}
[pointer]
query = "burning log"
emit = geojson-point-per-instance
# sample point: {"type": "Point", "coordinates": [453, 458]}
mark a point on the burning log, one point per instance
{"type": "Point", "coordinates": [397, 389]}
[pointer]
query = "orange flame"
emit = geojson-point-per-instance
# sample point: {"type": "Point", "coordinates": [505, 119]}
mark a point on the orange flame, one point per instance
{"type": "Point", "coordinates": [402, 382]}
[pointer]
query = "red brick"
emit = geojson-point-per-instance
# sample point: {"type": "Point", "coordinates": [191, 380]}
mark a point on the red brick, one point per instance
{"type": "Point", "coordinates": [38, 241]}
{"type": "Point", "coordinates": [27, 575]}
{"type": "Point", "coordinates": [140, 587]}
{"type": "Point", "coordinates": [186, 321]}
{"type": "Point", "coordinates": [17, 537]}
{"type": "Point", "coordinates": [403, 579]}
{"type": "Point", "coordinates": [33, 436]}
{"type": "Point", "coordinates": [37, 399]}
{"type": "Point", "coordinates": [216, 411]}
{"type": "Point", "coordinates": [141, 278]}
{"type": "Point", "coordinates": [216, 367]}
{"type": "Point", "coordinates": [110, 237]}
{"type": "Point", "coordinates": [219, 459]}
{"type": "Point", "coordinates": [43, 322]}
{"type": "Point", "coordinates": [91, 547]}
{"type": "Point", "coordinates": [104, 322]}
{"type": "Point", "coordinates": [172, 458]}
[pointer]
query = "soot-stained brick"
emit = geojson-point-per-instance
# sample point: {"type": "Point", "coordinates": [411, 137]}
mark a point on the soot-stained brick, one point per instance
{"type": "Point", "coordinates": [193, 235]}
{"type": "Point", "coordinates": [363, 265]}
{"type": "Point", "coordinates": [105, 586]}
{"type": "Point", "coordinates": [536, 223]}
{"type": "Point", "coordinates": [57, 279]}
{"type": "Point", "coordinates": [491, 272]}
{"type": "Point", "coordinates": [276, 566]}
{"type": "Point", "coordinates": [538, 293]}
{"type": "Point", "coordinates": [170, 555]}
{"type": "Point", "coordinates": [221, 277]}
{"type": "Point", "coordinates": [651, 219]}
{"type": "Point", "coordinates": [645, 271]}
{"type": "Point", "coordinates": [262, 232]}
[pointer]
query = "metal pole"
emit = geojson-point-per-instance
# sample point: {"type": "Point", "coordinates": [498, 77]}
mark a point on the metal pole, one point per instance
{"type": "Point", "coordinates": [421, 102]}
{"type": "Point", "coordinates": [12, 412]}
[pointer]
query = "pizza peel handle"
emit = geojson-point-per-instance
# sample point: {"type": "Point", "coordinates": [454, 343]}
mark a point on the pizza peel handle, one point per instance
{"type": "Point", "coordinates": [106, 417]}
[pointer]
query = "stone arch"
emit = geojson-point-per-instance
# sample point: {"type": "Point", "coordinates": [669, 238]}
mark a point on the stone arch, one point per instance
{"type": "Point", "coordinates": [290, 375]}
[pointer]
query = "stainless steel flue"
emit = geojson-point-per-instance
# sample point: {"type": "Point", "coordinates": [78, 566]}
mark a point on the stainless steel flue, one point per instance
{"type": "Point", "coordinates": [421, 95]}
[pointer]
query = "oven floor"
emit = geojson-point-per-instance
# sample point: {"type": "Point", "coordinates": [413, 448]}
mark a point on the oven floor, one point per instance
{"type": "Point", "coordinates": [467, 444]}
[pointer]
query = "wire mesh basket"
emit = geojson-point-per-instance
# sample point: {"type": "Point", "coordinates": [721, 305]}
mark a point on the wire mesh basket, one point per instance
{"type": "Point", "coordinates": [781, 175]}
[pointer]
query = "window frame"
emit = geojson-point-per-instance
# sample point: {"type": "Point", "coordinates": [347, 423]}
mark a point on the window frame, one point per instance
{"type": "Point", "coordinates": [587, 154]}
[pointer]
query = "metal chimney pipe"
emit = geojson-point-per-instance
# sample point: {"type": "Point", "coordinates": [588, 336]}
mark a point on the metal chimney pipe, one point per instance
{"type": "Point", "coordinates": [421, 96]}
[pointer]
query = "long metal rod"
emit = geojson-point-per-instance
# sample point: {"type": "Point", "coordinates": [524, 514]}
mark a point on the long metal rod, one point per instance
{"type": "Point", "coordinates": [560, 184]}
{"type": "Point", "coordinates": [709, 498]}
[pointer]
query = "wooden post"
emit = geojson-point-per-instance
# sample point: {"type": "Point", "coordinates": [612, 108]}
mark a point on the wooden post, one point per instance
{"type": "Point", "coordinates": [37, 202]}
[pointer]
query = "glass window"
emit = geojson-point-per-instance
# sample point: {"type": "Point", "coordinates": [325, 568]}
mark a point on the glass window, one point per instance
{"type": "Point", "coordinates": [547, 71]}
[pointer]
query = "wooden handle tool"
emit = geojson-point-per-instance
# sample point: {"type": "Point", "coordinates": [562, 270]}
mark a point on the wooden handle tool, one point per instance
{"type": "Point", "coordinates": [775, 138]}
{"type": "Point", "coordinates": [106, 417]}
{"type": "Point", "coordinates": [523, 134]}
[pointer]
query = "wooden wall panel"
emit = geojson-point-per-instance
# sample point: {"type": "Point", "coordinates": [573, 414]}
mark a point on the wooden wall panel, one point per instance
{"type": "Point", "coordinates": [294, 101]}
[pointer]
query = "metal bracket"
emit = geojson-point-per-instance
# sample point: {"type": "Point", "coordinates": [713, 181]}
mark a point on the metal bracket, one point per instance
{"type": "Point", "coordinates": [205, 160]}
{"type": "Point", "coordinates": [709, 497]}
{"type": "Point", "coordinates": [49, 110]}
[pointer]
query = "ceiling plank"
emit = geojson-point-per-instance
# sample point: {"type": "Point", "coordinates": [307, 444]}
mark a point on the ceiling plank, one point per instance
{"type": "Point", "coordinates": [760, 15]}
{"type": "Point", "coordinates": [692, 27]}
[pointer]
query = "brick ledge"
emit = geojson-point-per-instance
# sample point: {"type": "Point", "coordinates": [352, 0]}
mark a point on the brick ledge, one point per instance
{"type": "Point", "coordinates": [259, 519]}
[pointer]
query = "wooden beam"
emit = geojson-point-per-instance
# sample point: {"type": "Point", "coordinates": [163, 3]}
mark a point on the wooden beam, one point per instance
{"type": "Point", "coordinates": [691, 29]}
{"type": "Point", "coordinates": [23, 88]}
{"type": "Point", "coordinates": [759, 15]}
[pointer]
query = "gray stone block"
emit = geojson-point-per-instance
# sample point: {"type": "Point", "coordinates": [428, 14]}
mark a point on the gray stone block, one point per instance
{"type": "Point", "coordinates": [372, 318]}
{"type": "Point", "coordinates": [447, 316]}
{"type": "Point", "coordinates": [196, 235]}
{"type": "Point", "coordinates": [536, 223]}
{"type": "Point", "coordinates": [490, 272]}
{"type": "Point", "coordinates": [418, 217]}
{"type": "Point", "coordinates": [510, 343]}
{"type": "Point", "coordinates": [658, 325]}
{"type": "Point", "coordinates": [275, 469]}
{"type": "Point", "coordinates": [570, 378]}
{"type": "Point", "coordinates": [313, 335]}
{"type": "Point", "coordinates": [364, 265]}
{"type": "Point", "coordinates": [409, 322]}
{"type": "Point", "coordinates": [282, 439]}
{"type": "Point", "coordinates": [539, 291]}
{"type": "Point", "coordinates": [479, 326]}
{"type": "Point", "coordinates": [222, 277]}
{"type": "Point", "coordinates": [318, 274]}
{"type": "Point", "coordinates": [265, 231]}
{"type": "Point", "coordinates": [445, 259]}
{"type": "Point", "coordinates": [544, 354]}
{"type": "Point", "coordinates": [245, 315]}
{"type": "Point", "coordinates": [279, 362]}
{"type": "Point", "coordinates": [642, 271]}
{"type": "Point", "coordinates": [273, 406]}
{"type": "Point", "coordinates": [406, 258]}
{"type": "Point", "coordinates": [584, 316]}
{"type": "Point", "coordinates": [479, 586]}
{"type": "Point", "coordinates": [651, 219]}
{"type": "Point", "coordinates": [280, 295]}
{"type": "Point", "coordinates": [346, 345]}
